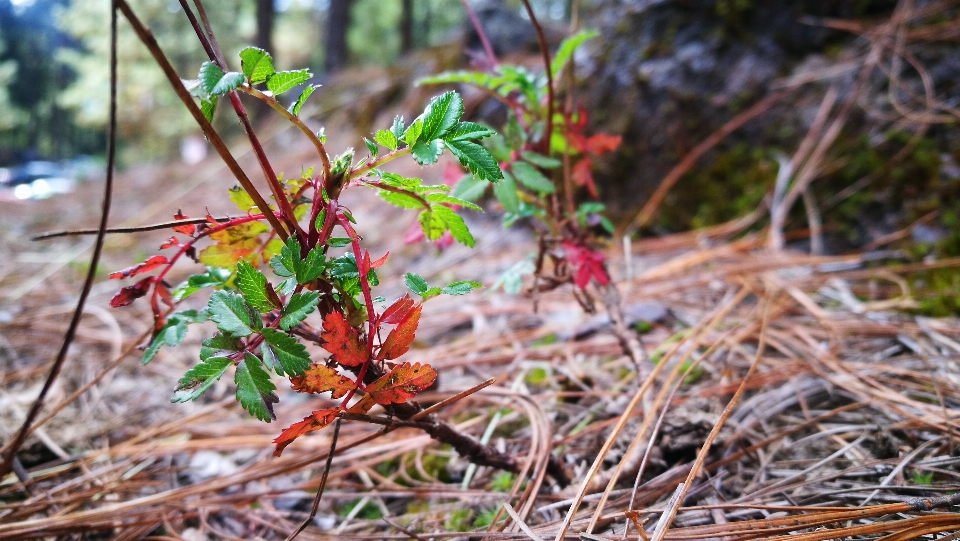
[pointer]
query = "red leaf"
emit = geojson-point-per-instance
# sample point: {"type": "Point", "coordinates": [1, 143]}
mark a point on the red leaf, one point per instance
{"type": "Point", "coordinates": [363, 266]}
{"type": "Point", "coordinates": [343, 341]}
{"type": "Point", "coordinates": [186, 229]}
{"type": "Point", "coordinates": [587, 264]}
{"type": "Point", "coordinates": [320, 379]}
{"type": "Point", "coordinates": [577, 142]}
{"type": "Point", "coordinates": [127, 295]}
{"type": "Point", "coordinates": [172, 241]}
{"type": "Point", "coordinates": [151, 263]}
{"type": "Point", "coordinates": [165, 295]}
{"type": "Point", "coordinates": [583, 177]}
{"type": "Point", "coordinates": [402, 383]}
{"type": "Point", "coordinates": [315, 421]}
{"type": "Point", "coordinates": [377, 263]}
{"type": "Point", "coordinates": [399, 339]}
{"type": "Point", "coordinates": [398, 311]}
{"type": "Point", "coordinates": [602, 143]}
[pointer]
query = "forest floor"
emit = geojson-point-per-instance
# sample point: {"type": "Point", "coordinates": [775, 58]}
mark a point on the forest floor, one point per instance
{"type": "Point", "coordinates": [784, 393]}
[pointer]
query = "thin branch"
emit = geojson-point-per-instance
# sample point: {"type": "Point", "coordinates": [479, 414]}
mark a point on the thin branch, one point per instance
{"type": "Point", "coordinates": [21, 436]}
{"type": "Point", "coordinates": [271, 177]}
{"type": "Point", "coordinates": [323, 482]}
{"type": "Point", "coordinates": [542, 40]}
{"type": "Point", "coordinates": [208, 131]}
{"type": "Point", "coordinates": [133, 229]}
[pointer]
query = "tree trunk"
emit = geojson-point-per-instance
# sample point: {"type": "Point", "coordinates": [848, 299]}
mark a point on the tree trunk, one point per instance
{"type": "Point", "coordinates": [406, 27]}
{"type": "Point", "coordinates": [264, 36]}
{"type": "Point", "coordinates": [338, 19]}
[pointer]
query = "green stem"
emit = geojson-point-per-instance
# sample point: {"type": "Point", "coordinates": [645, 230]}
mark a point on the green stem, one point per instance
{"type": "Point", "coordinates": [407, 193]}
{"type": "Point", "coordinates": [370, 166]}
{"type": "Point", "coordinates": [295, 120]}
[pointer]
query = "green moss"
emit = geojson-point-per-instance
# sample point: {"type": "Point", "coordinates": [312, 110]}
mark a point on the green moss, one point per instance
{"type": "Point", "coordinates": [732, 184]}
{"type": "Point", "coordinates": [458, 520]}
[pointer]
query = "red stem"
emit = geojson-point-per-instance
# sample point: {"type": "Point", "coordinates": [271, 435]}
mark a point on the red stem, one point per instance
{"type": "Point", "coordinates": [480, 33]}
{"type": "Point", "coordinates": [367, 298]}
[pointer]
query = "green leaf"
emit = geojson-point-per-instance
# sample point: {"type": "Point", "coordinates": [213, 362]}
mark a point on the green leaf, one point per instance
{"type": "Point", "coordinates": [256, 64]}
{"type": "Point", "coordinates": [431, 293]}
{"type": "Point", "coordinates": [432, 224]}
{"type": "Point", "coordinates": [285, 263]}
{"type": "Point", "coordinates": [427, 153]}
{"type": "Point", "coordinates": [254, 388]}
{"type": "Point", "coordinates": [454, 223]}
{"type": "Point", "coordinates": [171, 334]}
{"type": "Point", "coordinates": [219, 345]}
{"type": "Point", "coordinates": [461, 288]}
{"type": "Point", "coordinates": [241, 199]}
{"type": "Point", "coordinates": [527, 175]}
{"type": "Point", "coordinates": [253, 286]}
{"type": "Point", "coordinates": [512, 278]}
{"type": "Point", "coordinates": [312, 266]}
{"type": "Point", "coordinates": [338, 242]}
{"type": "Point", "coordinates": [403, 201]}
{"type": "Point", "coordinates": [290, 353]}
{"type": "Point", "coordinates": [371, 148]}
{"type": "Point", "coordinates": [287, 286]}
{"type": "Point", "coordinates": [506, 193]}
{"type": "Point", "coordinates": [476, 158]}
{"type": "Point", "coordinates": [208, 107]}
{"type": "Point", "coordinates": [199, 378]}
{"type": "Point", "coordinates": [469, 188]}
{"type": "Point", "coordinates": [566, 49]}
{"type": "Point", "coordinates": [416, 283]}
{"type": "Point", "coordinates": [232, 315]}
{"type": "Point", "coordinates": [496, 145]}
{"type": "Point", "coordinates": [397, 129]}
{"type": "Point", "coordinates": [470, 77]}
{"type": "Point", "coordinates": [441, 114]}
{"type": "Point", "coordinates": [215, 82]}
{"type": "Point", "coordinates": [301, 99]}
{"type": "Point", "coordinates": [386, 139]}
{"type": "Point", "coordinates": [412, 133]}
{"type": "Point", "coordinates": [540, 160]}
{"type": "Point", "coordinates": [444, 198]}
{"type": "Point", "coordinates": [297, 308]}
{"type": "Point", "coordinates": [467, 131]}
{"type": "Point", "coordinates": [280, 82]}
{"type": "Point", "coordinates": [214, 277]}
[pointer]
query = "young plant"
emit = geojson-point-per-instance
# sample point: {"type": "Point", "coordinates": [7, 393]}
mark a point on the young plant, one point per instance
{"type": "Point", "coordinates": [310, 293]}
{"type": "Point", "coordinates": [546, 158]}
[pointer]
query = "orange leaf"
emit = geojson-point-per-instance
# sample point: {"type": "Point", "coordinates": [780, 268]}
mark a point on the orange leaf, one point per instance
{"type": "Point", "coordinates": [186, 229]}
{"type": "Point", "coordinates": [398, 311]}
{"type": "Point", "coordinates": [399, 339]}
{"type": "Point", "coordinates": [402, 383]}
{"type": "Point", "coordinates": [363, 406]}
{"type": "Point", "coordinates": [315, 421]}
{"type": "Point", "coordinates": [377, 263]}
{"type": "Point", "coordinates": [343, 341]}
{"type": "Point", "coordinates": [583, 177]}
{"type": "Point", "coordinates": [320, 379]}
{"type": "Point", "coordinates": [601, 143]}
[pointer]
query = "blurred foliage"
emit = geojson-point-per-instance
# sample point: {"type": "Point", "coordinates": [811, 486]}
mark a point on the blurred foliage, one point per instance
{"type": "Point", "coordinates": [151, 118]}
